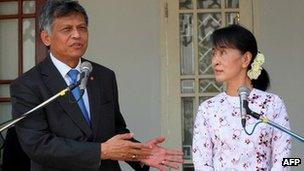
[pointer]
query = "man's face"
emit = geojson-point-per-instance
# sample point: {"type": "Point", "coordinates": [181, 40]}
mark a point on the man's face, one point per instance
{"type": "Point", "coordinates": [68, 39]}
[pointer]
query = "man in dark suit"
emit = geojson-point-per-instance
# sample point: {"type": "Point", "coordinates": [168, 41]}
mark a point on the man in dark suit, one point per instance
{"type": "Point", "coordinates": [77, 132]}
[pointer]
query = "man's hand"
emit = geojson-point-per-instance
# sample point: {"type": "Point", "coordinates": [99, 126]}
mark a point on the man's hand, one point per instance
{"type": "Point", "coordinates": [162, 158]}
{"type": "Point", "coordinates": [120, 147]}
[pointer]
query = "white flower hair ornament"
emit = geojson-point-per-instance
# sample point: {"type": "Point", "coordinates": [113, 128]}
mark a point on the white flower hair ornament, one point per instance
{"type": "Point", "coordinates": [256, 66]}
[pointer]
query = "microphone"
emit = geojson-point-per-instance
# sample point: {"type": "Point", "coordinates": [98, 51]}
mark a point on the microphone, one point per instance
{"type": "Point", "coordinates": [243, 94]}
{"type": "Point", "coordinates": [85, 70]}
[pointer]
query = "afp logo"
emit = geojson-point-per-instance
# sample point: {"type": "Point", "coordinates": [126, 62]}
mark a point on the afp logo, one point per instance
{"type": "Point", "coordinates": [291, 161]}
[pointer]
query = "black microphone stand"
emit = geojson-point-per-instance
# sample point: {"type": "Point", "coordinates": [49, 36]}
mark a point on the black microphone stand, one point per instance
{"type": "Point", "coordinates": [266, 120]}
{"type": "Point", "coordinates": [11, 122]}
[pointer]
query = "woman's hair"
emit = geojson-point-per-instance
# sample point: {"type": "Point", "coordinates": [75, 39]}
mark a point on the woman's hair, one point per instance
{"type": "Point", "coordinates": [238, 37]}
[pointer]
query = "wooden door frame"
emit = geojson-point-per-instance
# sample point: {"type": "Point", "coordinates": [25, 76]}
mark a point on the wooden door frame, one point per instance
{"type": "Point", "coordinates": [40, 49]}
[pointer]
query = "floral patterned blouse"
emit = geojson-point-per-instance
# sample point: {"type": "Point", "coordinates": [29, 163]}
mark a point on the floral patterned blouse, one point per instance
{"type": "Point", "coordinates": [220, 142]}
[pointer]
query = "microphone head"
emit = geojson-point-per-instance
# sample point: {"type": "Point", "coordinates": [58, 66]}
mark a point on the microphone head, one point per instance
{"type": "Point", "coordinates": [243, 94]}
{"type": "Point", "coordinates": [86, 67]}
{"type": "Point", "coordinates": [243, 90]}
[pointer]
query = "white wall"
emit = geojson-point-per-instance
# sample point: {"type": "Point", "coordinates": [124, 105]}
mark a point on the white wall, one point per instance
{"type": "Point", "coordinates": [125, 36]}
{"type": "Point", "coordinates": [281, 35]}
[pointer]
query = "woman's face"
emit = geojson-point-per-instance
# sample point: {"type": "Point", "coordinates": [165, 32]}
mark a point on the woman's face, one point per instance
{"type": "Point", "coordinates": [229, 64]}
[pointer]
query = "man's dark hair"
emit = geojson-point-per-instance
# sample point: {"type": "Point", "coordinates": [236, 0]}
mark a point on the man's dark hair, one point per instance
{"type": "Point", "coordinates": [59, 8]}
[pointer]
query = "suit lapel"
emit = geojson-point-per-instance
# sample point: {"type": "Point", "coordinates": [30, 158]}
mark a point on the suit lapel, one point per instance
{"type": "Point", "coordinates": [54, 81]}
{"type": "Point", "coordinates": [94, 89]}
{"type": "Point", "coordinates": [102, 119]}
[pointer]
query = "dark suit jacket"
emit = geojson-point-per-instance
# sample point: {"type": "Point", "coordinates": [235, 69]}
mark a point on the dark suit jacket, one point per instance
{"type": "Point", "coordinates": [13, 157]}
{"type": "Point", "coordinates": [57, 137]}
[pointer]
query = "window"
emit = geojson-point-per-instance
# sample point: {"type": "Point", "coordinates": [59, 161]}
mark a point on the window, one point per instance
{"type": "Point", "coordinates": [19, 44]}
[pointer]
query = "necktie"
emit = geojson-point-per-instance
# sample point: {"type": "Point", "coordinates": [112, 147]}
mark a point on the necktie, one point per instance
{"type": "Point", "coordinates": [77, 95]}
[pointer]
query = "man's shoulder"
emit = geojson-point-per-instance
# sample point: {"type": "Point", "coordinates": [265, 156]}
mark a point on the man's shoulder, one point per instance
{"type": "Point", "coordinates": [100, 68]}
{"type": "Point", "coordinates": [33, 75]}
{"type": "Point", "coordinates": [30, 78]}
{"type": "Point", "coordinates": [30, 74]}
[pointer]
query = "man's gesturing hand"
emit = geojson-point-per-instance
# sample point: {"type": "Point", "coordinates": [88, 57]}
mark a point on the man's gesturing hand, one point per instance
{"type": "Point", "coordinates": [120, 147]}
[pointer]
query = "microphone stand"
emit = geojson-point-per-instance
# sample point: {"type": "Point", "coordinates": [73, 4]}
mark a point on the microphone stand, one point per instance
{"type": "Point", "coordinates": [11, 122]}
{"type": "Point", "coordinates": [266, 120]}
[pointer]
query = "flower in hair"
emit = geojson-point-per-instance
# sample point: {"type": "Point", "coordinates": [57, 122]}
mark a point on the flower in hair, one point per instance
{"type": "Point", "coordinates": [256, 66]}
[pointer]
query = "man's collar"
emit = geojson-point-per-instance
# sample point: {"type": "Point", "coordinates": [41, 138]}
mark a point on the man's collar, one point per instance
{"type": "Point", "coordinates": [62, 67]}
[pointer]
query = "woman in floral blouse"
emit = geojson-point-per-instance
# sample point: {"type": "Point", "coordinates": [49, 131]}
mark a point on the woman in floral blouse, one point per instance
{"type": "Point", "coordinates": [219, 140]}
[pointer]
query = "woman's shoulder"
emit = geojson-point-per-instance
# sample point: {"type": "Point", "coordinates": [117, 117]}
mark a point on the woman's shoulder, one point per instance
{"type": "Point", "coordinates": [213, 101]}
{"type": "Point", "coordinates": [266, 97]}
{"type": "Point", "coordinates": [265, 94]}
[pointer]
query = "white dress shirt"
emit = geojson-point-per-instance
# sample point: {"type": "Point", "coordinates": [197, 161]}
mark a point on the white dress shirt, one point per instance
{"type": "Point", "coordinates": [64, 69]}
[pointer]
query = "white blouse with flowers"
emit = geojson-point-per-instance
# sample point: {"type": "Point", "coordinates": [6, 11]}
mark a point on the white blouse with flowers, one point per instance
{"type": "Point", "coordinates": [220, 142]}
